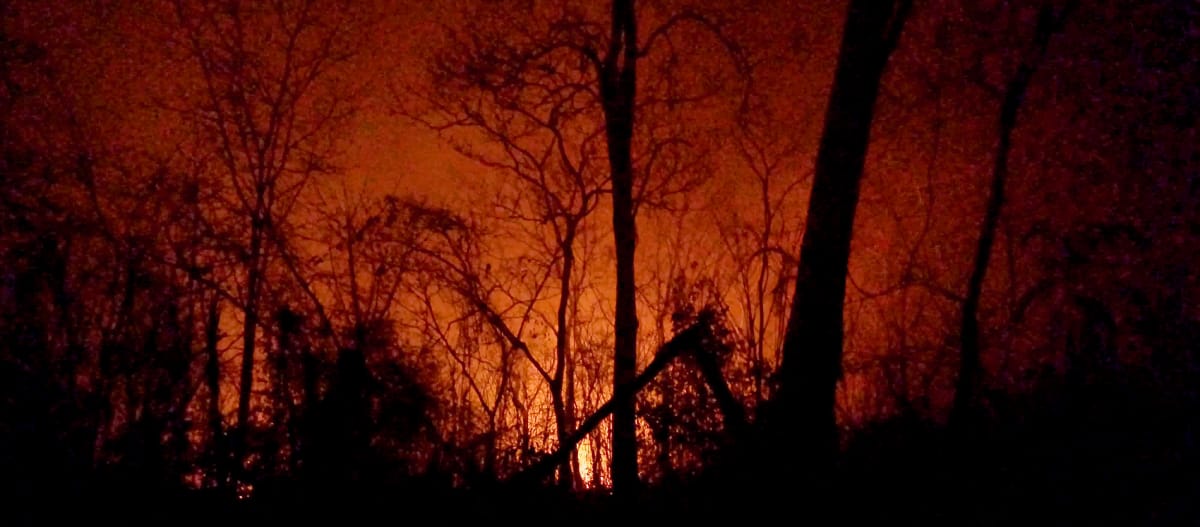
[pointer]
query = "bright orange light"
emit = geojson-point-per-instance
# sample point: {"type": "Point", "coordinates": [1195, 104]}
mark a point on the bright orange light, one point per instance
{"type": "Point", "coordinates": [586, 465]}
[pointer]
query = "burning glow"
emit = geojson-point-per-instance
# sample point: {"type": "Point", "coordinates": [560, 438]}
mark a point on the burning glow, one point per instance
{"type": "Point", "coordinates": [587, 464]}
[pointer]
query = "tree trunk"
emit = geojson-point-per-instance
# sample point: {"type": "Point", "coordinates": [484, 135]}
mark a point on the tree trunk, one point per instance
{"type": "Point", "coordinates": [812, 351]}
{"type": "Point", "coordinates": [284, 411]}
{"type": "Point", "coordinates": [732, 413]}
{"type": "Point", "coordinates": [570, 416]}
{"type": "Point", "coordinates": [556, 381]}
{"type": "Point", "coordinates": [212, 376]}
{"type": "Point", "coordinates": [618, 89]}
{"type": "Point", "coordinates": [312, 398]}
{"type": "Point", "coordinates": [565, 471]}
{"type": "Point", "coordinates": [565, 477]}
{"type": "Point", "coordinates": [970, 370]}
{"type": "Point", "coordinates": [249, 327]}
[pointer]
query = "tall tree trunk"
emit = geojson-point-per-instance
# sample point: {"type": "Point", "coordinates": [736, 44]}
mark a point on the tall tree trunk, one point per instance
{"type": "Point", "coordinates": [571, 401]}
{"type": "Point", "coordinates": [182, 325]}
{"type": "Point", "coordinates": [285, 413]}
{"type": "Point", "coordinates": [310, 365]}
{"type": "Point", "coordinates": [212, 377]}
{"type": "Point", "coordinates": [570, 415]}
{"type": "Point", "coordinates": [249, 328]}
{"type": "Point", "coordinates": [618, 89]}
{"type": "Point", "coordinates": [565, 477]}
{"type": "Point", "coordinates": [565, 471]}
{"type": "Point", "coordinates": [970, 370]}
{"type": "Point", "coordinates": [812, 350]}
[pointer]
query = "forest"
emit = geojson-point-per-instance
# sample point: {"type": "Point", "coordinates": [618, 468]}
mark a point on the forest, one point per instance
{"type": "Point", "coordinates": [595, 261]}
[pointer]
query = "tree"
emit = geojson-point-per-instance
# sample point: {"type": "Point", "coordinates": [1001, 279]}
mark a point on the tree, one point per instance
{"type": "Point", "coordinates": [543, 93]}
{"type": "Point", "coordinates": [353, 273]}
{"type": "Point", "coordinates": [462, 270]}
{"type": "Point", "coordinates": [758, 241]}
{"type": "Point", "coordinates": [266, 111]}
{"type": "Point", "coordinates": [970, 370]}
{"type": "Point", "coordinates": [618, 88]}
{"type": "Point", "coordinates": [533, 112]}
{"type": "Point", "coordinates": [691, 408]}
{"type": "Point", "coordinates": [632, 170]}
{"type": "Point", "coordinates": [812, 349]}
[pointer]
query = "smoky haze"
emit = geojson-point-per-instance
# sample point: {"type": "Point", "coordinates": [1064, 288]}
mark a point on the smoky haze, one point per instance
{"type": "Point", "coordinates": [560, 260]}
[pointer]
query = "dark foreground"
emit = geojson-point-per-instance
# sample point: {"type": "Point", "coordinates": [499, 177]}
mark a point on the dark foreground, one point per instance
{"type": "Point", "coordinates": [1112, 458]}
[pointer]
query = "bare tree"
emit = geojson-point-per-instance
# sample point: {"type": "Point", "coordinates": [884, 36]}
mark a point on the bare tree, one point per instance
{"type": "Point", "coordinates": [550, 98]}
{"type": "Point", "coordinates": [618, 86]}
{"type": "Point", "coordinates": [266, 110]}
{"type": "Point", "coordinates": [757, 241]}
{"type": "Point", "coordinates": [1049, 22]}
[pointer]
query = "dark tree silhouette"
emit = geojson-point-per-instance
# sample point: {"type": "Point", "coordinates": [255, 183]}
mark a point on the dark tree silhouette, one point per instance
{"type": "Point", "coordinates": [970, 371]}
{"type": "Point", "coordinates": [212, 380]}
{"type": "Point", "coordinates": [532, 118]}
{"type": "Point", "coordinates": [618, 87]}
{"type": "Point", "coordinates": [542, 99]}
{"type": "Point", "coordinates": [267, 114]}
{"type": "Point", "coordinates": [812, 349]}
{"type": "Point", "coordinates": [195, 317]}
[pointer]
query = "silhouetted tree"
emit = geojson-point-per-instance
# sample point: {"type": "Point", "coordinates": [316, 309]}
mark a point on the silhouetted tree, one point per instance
{"type": "Point", "coordinates": [618, 87]}
{"type": "Point", "coordinates": [268, 114]}
{"type": "Point", "coordinates": [690, 409]}
{"type": "Point", "coordinates": [812, 349]}
{"type": "Point", "coordinates": [1049, 22]}
{"type": "Point", "coordinates": [212, 381]}
{"type": "Point", "coordinates": [540, 125]}
{"type": "Point", "coordinates": [759, 242]}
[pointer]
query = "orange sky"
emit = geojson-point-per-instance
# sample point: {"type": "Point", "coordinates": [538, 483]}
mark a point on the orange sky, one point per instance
{"type": "Point", "coordinates": [119, 77]}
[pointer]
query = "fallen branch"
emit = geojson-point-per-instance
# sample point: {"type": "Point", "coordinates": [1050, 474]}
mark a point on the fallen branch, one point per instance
{"type": "Point", "coordinates": [689, 338]}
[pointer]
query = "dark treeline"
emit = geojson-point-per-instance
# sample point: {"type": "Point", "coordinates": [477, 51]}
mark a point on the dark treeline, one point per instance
{"type": "Point", "coordinates": [952, 280]}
